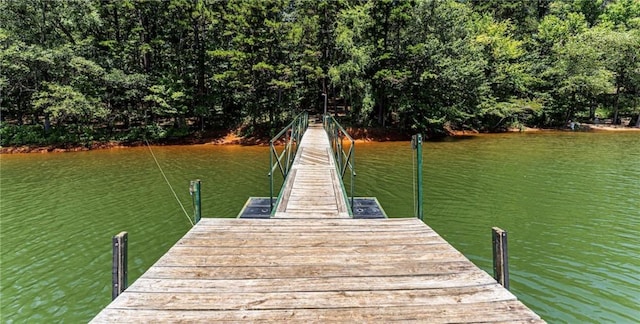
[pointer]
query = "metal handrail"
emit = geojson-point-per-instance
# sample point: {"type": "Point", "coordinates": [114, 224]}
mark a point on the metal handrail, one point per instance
{"type": "Point", "coordinates": [344, 159]}
{"type": "Point", "coordinates": [291, 134]}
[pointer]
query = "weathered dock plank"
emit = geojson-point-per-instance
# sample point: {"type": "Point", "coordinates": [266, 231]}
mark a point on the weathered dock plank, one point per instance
{"type": "Point", "coordinates": [314, 270]}
{"type": "Point", "coordinates": [499, 312]}
{"type": "Point", "coordinates": [268, 285]}
{"type": "Point", "coordinates": [312, 299]}
{"type": "Point", "coordinates": [303, 250]}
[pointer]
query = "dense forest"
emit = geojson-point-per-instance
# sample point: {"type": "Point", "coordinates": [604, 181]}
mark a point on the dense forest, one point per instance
{"type": "Point", "coordinates": [98, 70]}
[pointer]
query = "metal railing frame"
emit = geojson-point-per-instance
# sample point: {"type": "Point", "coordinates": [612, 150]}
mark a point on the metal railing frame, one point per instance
{"type": "Point", "coordinates": [291, 135]}
{"type": "Point", "coordinates": [343, 159]}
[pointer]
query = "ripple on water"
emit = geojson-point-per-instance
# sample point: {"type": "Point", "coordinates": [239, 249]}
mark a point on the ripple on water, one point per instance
{"type": "Point", "coordinates": [569, 202]}
{"type": "Point", "coordinates": [570, 210]}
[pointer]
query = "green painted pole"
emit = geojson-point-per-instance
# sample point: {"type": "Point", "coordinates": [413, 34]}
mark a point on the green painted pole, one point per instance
{"type": "Point", "coordinates": [419, 175]}
{"type": "Point", "coordinates": [195, 187]}
{"type": "Point", "coordinates": [270, 177]}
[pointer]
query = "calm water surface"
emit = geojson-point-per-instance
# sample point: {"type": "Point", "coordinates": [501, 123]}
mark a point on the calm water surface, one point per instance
{"type": "Point", "coordinates": [570, 202]}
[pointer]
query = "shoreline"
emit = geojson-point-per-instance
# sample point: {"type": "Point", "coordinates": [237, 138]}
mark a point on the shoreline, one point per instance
{"type": "Point", "coordinates": [584, 128]}
{"type": "Point", "coordinates": [360, 135]}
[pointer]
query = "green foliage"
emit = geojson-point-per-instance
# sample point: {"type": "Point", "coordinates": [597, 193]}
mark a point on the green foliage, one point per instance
{"type": "Point", "coordinates": [622, 14]}
{"type": "Point", "coordinates": [35, 135]}
{"type": "Point", "coordinates": [165, 102]}
{"type": "Point", "coordinates": [66, 104]}
{"type": "Point", "coordinates": [128, 70]}
{"type": "Point", "coordinates": [515, 113]}
{"type": "Point", "coordinates": [14, 135]}
{"type": "Point", "coordinates": [151, 133]}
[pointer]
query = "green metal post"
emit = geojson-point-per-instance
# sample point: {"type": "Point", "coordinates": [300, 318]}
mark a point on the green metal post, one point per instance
{"type": "Point", "coordinates": [418, 148]}
{"type": "Point", "coordinates": [336, 138]}
{"type": "Point", "coordinates": [353, 172]}
{"type": "Point", "coordinates": [339, 152]}
{"type": "Point", "coordinates": [287, 148]}
{"type": "Point", "coordinates": [195, 190]}
{"type": "Point", "coordinates": [270, 176]}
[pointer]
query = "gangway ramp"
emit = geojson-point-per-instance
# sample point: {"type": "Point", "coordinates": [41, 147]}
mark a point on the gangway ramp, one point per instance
{"type": "Point", "coordinates": [312, 186]}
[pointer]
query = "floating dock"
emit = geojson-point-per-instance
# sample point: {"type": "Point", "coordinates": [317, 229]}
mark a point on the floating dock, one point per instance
{"type": "Point", "coordinates": [313, 262]}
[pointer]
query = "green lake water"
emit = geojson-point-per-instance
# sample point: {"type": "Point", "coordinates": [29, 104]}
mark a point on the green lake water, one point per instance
{"type": "Point", "coordinates": [570, 202]}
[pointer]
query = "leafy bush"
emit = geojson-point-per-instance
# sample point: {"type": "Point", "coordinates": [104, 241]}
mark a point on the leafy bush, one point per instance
{"type": "Point", "coordinates": [140, 133]}
{"type": "Point", "coordinates": [177, 132]}
{"type": "Point", "coordinates": [19, 135]}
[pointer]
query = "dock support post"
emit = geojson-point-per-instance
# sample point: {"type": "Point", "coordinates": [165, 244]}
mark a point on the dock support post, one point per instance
{"type": "Point", "coordinates": [500, 256]}
{"type": "Point", "coordinates": [119, 269]}
{"type": "Point", "coordinates": [195, 192]}
{"type": "Point", "coordinates": [324, 115]}
{"type": "Point", "coordinates": [416, 142]}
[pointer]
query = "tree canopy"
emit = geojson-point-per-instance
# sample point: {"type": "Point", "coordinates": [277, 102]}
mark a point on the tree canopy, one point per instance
{"type": "Point", "coordinates": [79, 71]}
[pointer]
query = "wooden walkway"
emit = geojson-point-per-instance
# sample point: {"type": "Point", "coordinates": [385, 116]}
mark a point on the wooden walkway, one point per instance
{"type": "Point", "coordinates": [314, 270]}
{"type": "Point", "coordinates": [313, 184]}
{"type": "Point", "coordinates": [312, 263]}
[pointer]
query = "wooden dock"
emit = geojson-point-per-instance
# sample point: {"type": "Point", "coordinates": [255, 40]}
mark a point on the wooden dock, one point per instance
{"type": "Point", "coordinates": [313, 184]}
{"type": "Point", "coordinates": [315, 270]}
{"type": "Point", "coordinates": [312, 263]}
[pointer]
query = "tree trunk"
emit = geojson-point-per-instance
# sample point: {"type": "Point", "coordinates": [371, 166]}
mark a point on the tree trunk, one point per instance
{"type": "Point", "coordinates": [126, 122]}
{"type": "Point", "coordinates": [325, 53]}
{"type": "Point", "coordinates": [116, 23]}
{"type": "Point", "coordinates": [20, 112]}
{"type": "Point", "coordinates": [381, 102]}
{"type": "Point", "coordinates": [637, 120]}
{"type": "Point", "coordinates": [616, 106]}
{"type": "Point", "coordinates": [144, 39]}
{"type": "Point", "coordinates": [47, 123]}
{"type": "Point", "coordinates": [44, 22]}
{"type": "Point", "coordinates": [571, 110]}
{"type": "Point", "coordinates": [335, 102]}
{"type": "Point", "coordinates": [200, 48]}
